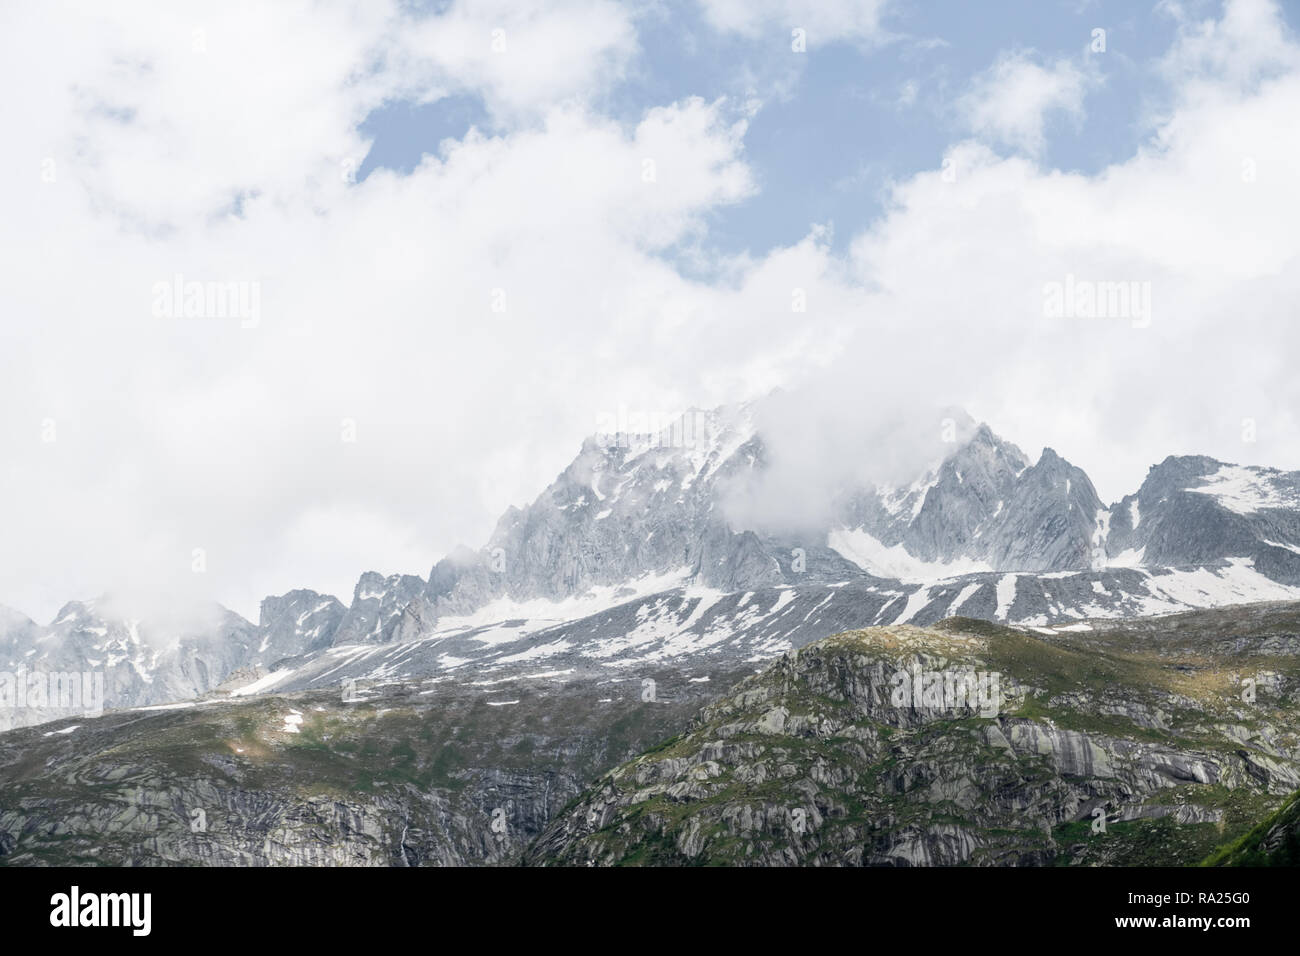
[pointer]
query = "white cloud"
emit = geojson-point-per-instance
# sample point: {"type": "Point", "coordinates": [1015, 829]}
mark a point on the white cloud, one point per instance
{"type": "Point", "coordinates": [169, 114]}
{"type": "Point", "coordinates": [825, 21]}
{"type": "Point", "coordinates": [377, 297]}
{"type": "Point", "coordinates": [1248, 41]}
{"type": "Point", "coordinates": [521, 56]}
{"type": "Point", "coordinates": [1011, 101]}
{"type": "Point", "coordinates": [376, 304]}
{"type": "Point", "coordinates": [1203, 212]}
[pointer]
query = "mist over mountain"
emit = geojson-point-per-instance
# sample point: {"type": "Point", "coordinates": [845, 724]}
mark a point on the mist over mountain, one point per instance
{"type": "Point", "coordinates": [744, 530]}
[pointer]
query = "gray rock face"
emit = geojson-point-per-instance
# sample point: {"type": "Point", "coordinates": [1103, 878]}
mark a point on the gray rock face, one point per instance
{"type": "Point", "coordinates": [422, 775]}
{"type": "Point", "coordinates": [297, 622]}
{"type": "Point", "coordinates": [631, 507]}
{"type": "Point", "coordinates": [971, 491]}
{"type": "Point", "coordinates": [1194, 510]}
{"type": "Point", "coordinates": [17, 634]}
{"type": "Point", "coordinates": [1049, 521]}
{"type": "Point", "coordinates": [627, 506]}
{"type": "Point", "coordinates": [987, 504]}
{"type": "Point", "coordinates": [90, 659]}
{"type": "Point", "coordinates": [828, 757]}
{"type": "Point", "coordinates": [377, 606]}
{"type": "Point", "coordinates": [463, 581]}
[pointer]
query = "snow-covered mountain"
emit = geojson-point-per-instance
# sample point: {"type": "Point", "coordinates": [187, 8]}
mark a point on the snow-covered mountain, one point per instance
{"type": "Point", "coordinates": [634, 556]}
{"type": "Point", "coordinates": [1194, 510]}
{"type": "Point", "coordinates": [986, 507]}
{"type": "Point", "coordinates": [695, 627]}
{"type": "Point", "coordinates": [92, 657]}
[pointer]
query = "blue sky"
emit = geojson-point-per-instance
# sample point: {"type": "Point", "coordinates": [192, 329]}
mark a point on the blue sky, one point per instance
{"type": "Point", "coordinates": [834, 128]}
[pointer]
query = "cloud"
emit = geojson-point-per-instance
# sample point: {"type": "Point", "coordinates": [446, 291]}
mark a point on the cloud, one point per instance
{"type": "Point", "coordinates": [137, 440]}
{"type": "Point", "coordinates": [170, 115]}
{"type": "Point", "coordinates": [433, 346]}
{"type": "Point", "coordinates": [823, 440]}
{"type": "Point", "coordinates": [825, 21]}
{"type": "Point", "coordinates": [951, 287]}
{"type": "Point", "coordinates": [520, 57]}
{"type": "Point", "coordinates": [383, 312]}
{"type": "Point", "coordinates": [1201, 212]}
{"type": "Point", "coordinates": [1010, 102]}
{"type": "Point", "coordinates": [1248, 42]}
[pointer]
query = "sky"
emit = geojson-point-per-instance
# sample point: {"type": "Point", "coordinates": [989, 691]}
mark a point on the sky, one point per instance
{"type": "Point", "coordinates": [293, 291]}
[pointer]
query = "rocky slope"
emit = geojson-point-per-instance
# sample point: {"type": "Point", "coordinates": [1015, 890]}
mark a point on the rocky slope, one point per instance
{"type": "Point", "coordinates": [1180, 732]}
{"type": "Point", "coordinates": [689, 625]}
{"type": "Point", "coordinates": [299, 621]}
{"type": "Point", "coordinates": [1194, 510]}
{"type": "Point", "coordinates": [968, 743]}
{"type": "Point", "coordinates": [986, 505]}
{"type": "Point", "coordinates": [1273, 842]}
{"type": "Point", "coordinates": [434, 773]}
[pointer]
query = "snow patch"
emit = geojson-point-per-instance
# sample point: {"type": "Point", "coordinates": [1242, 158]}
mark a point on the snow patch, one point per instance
{"type": "Point", "coordinates": [1279, 544]}
{"type": "Point", "coordinates": [257, 686]}
{"type": "Point", "coordinates": [966, 594]}
{"type": "Point", "coordinates": [868, 553]}
{"type": "Point", "coordinates": [1245, 490]}
{"type": "Point", "coordinates": [1128, 558]}
{"type": "Point", "coordinates": [1006, 595]}
{"type": "Point", "coordinates": [181, 705]}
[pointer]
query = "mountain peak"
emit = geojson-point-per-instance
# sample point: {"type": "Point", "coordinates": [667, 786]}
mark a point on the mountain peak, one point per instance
{"type": "Point", "coordinates": [986, 445]}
